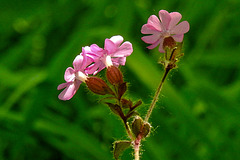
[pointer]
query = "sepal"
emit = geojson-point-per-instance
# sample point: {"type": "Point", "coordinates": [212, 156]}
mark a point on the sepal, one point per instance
{"type": "Point", "coordinates": [114, 75]}
{"type": "Point", "coordinates": [98, 86]}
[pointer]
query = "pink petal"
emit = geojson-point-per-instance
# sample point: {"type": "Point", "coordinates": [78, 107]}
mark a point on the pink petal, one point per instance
{"type": "Point", "coordinates": [110, 46]}
{"type": "Point", "coordinates": [119, 61]}
{"type": "Point", "coordinates": [160, 49]}
{"type": "Point", "coordinates": [86, 49]}
{"type": "Point", "coordinates": [96, 53]}
{"type": "Point", "coordinates": [87, 60]}
{"type": "Point", "coordinates": [69, 91]}
{"type": "Point", "coordinates": [151, 39]}
{"type": "Point", "coordinates": [154, 44]}
{"type": "Point", "coordinates": [124, 50]}
{"type": "Point", "coordinates": [93, 68]}
{"type": "Point", "coordinates": [175, 18]}
{"type": "Point", "coordinates": [95, 48]}
{"type": "Point", "coordinates": [63, 85]}
{"type": "Point", "coordinates": [154, 22]}
{"type": "Point", "coordinates": [181, 28]}
{"type": "Point", "coordinates": [77, 62]}
{"type": "Point", "coordinates": [94, 56]}
{"type": "Point", "coordinates": [117, 40]}
{"type": "Point", "coordinates": [101, 67]}
{"type": "Point", "coordinates": [69, 75]}
{"type": "Point", "coordinates": [165, 18]}
{"type": "Point", "coordinates": [178, 37]}
{"type": "Point", "coordinates": [148, 29]}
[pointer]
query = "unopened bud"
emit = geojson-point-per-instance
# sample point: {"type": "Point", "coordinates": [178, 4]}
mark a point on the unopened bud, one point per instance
{"type": "Point", "coordinates": [137, 125]}
{"type": "Point", "coordinates": [114, 75]}
{"type": "Point", "coordinates": [98, 86]}
{"type": "Point", "coordinates": [169, 42]}
{"type": "Point", "coordinates": [146, 129]}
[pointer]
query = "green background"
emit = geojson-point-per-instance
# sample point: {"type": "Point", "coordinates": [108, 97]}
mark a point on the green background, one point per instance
{"type": "Point", "coordinates": [197, 117]}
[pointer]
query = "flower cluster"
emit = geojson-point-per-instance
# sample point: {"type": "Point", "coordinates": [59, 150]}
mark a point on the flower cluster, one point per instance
{"type": "Point", "coordinates": [92, 60]}
{"type": "Point", "coordinates": [165, 33]}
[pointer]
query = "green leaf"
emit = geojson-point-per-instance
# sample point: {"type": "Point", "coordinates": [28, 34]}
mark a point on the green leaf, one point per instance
{"type": "Point", "coordinates": [116, 109]}
{"type": "Point", "coordinates": [119, 147]}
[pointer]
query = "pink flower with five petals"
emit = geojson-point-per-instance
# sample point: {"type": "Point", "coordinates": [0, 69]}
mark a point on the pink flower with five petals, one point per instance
{"type": "Point", "coordinates": [167, 27]}
{"type": "Point", "coordinates": [76, 75]}
{"type": "Point", "coordinates": [114, 53]}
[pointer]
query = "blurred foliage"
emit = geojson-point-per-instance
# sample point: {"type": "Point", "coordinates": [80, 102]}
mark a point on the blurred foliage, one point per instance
{"type": "Point", "coordinates": [197, 118]}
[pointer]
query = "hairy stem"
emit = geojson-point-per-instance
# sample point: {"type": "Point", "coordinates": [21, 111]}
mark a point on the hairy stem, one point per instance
{"type": "Point", "coordinates": [137, 147]}
{"type": "Point", "coordinates": [155, 98]}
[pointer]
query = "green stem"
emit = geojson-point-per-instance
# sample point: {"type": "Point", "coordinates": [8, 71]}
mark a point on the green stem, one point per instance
{"type": "Point", "coordinates": [125, 121]}
{"type": "Point", "coordinates": [155, 98]}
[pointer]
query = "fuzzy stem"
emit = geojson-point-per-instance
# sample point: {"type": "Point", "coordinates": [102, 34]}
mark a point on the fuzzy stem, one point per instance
{"type": "Point", "coordinates": [137, 146]}
{"type": "Point", "coordinates": [155, 98]}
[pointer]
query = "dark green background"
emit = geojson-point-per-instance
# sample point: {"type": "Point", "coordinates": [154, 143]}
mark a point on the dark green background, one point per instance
{"type": "Point", "coordinates": [197, 118]}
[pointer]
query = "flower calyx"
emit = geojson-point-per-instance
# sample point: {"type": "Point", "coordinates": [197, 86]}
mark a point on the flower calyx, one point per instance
{"type": "Point", "coordinates": [114, 75]}
{"type": "Point", "coordinates": [173, 52]}
{"type": "Point", "coordinates": [140, 128]}
{"type": "Point", "coordinates": [98, 86]}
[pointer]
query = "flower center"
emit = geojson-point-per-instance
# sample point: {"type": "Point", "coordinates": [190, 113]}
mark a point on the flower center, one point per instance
{"type": "Point", "coordinates": [165, 34]}
{"type": "Point", "coordinates": [106, 59]}
{"type": "Point", "coordinates": [81, 76]}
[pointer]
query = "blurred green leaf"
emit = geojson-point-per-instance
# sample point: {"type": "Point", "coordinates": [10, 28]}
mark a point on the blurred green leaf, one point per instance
{"type": "Point", "coordinates": [119, 147]}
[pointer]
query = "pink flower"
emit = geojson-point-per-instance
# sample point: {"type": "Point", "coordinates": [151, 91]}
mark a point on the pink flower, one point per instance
{"type": "Point", "coordinates": [75, 76]}
{"type": "Point", "coordinates": [167, 27]}
{"type": "Point", "coordinates": [114, 53]}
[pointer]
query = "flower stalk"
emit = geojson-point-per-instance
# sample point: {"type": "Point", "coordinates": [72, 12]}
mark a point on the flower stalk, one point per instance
{"type": "Point", "coordinates": [137, 144]}
{"type": "Point", "coordinates": [156, 95]}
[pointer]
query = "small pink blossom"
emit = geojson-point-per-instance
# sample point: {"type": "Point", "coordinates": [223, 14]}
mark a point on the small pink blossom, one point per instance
{"type": "Point", "coordinates": [114, 53]}
{"type": "Point", "coordinates": [167, 27]}
{"type": "Point", "coordinates": [75, 76]}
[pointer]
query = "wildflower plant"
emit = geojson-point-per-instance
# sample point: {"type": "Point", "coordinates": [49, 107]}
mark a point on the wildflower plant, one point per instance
{"type": "Point", "coordinates": [165, 32]}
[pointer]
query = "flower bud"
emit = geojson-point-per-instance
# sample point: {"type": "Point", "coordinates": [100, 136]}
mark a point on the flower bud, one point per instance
{"type": "Point", "coordinates": [146, 129]}
{"type": "Point", "coordinates": [114, 75]}
{"type": "Point", "coordinates": [137, 125]}
{"type": "Point", "coordinates": [98, 86]}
